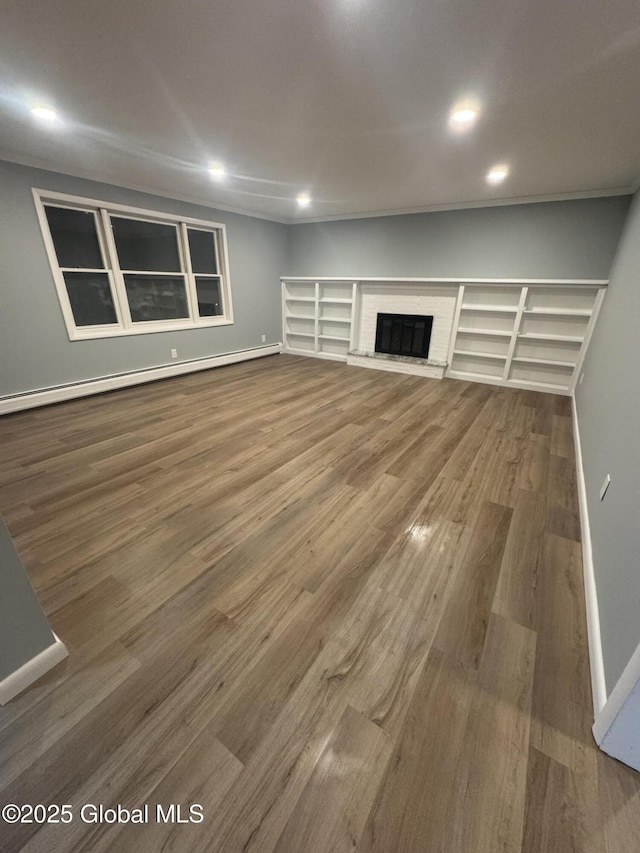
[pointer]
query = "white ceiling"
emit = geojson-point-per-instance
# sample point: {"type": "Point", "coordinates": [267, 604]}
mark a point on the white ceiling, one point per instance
{"type": "Point", "coordinates": [347, 99]}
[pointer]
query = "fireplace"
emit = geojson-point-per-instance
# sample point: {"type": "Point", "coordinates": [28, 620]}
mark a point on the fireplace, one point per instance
{"type": "Point", "coordinates": [404, 334]}
{"type": "Point", "coordinates": [433, 304]}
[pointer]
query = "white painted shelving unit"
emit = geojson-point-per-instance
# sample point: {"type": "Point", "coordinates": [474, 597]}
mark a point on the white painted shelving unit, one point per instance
{"type": "Point", "coordinates": [317, 318]}
{"type": "Point", "coordinates": [532, 336]}
{"type": "Point", "coordinates": [524, 334]}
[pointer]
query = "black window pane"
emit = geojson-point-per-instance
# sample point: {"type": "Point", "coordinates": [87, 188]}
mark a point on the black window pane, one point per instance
{"type": "Point", "coordinates": [209, 299]}
{"type": "Point", "coordinates": [90, 298]}
{"type": "Point", "coordinates": [74, 237]}
{"type": "Point", "coordinates": [202, 248]}
{"type": "Point", "coordinates": [146, 245]}
{"type": "Point", "coordinates": [156, 297]}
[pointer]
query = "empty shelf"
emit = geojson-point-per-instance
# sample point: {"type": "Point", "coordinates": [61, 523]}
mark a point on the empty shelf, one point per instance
{"type": "Point", "coordinates": [560, 312]}
{"type": "Point", "coordinates": [493, 355]}
{"type": "Point", "coordinates": [495, 332]}
{"type": "Point", "coordinates": [534, 336]}
{"type": "Point", "coordinates": [525, 359]}
{"type": "Point", "coordinates": [500, 309]}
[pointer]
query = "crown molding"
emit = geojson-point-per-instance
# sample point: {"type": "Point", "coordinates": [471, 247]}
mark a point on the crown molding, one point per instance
{"type": "Point", "coordinates": [470, 205]}
{"type": "Point", "coordinates": [35, 163]}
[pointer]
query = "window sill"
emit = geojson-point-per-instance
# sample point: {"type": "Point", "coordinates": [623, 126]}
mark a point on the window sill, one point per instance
{"type": "Point", "coordinates": [94, 332]}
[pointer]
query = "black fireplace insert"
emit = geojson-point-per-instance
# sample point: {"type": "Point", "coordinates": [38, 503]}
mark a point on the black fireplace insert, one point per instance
{"type": "Point", "coordinates": [404, 334]}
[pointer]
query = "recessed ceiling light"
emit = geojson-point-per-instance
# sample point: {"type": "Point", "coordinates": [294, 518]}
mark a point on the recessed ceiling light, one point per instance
{"type": "Point", "coordinates": [44, 114]}
{"type": "Point", "coordinates": [464, 117]}
{"type": "Point", "coordinates": [497, 174]}
{"type": "Point", "coordinates": [217, 171]}
{"type": "Point", "coordinates": [464, 114]}
{"type": "Point", "coordinates": [304, 200]}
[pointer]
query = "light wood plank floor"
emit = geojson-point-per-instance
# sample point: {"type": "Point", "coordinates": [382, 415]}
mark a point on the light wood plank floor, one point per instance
{"type": "Point", "coordinates": [340, 609]}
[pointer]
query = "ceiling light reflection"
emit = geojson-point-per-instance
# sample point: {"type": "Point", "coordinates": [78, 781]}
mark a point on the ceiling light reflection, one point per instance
{"type": "Point", "coordinates": [420, 532]}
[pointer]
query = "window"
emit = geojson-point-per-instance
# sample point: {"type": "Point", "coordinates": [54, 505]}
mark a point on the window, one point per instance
{"type": "Point", "coordinates": [124, 271]}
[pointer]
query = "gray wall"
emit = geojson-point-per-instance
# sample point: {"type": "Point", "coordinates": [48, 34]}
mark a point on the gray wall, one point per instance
{"type": "Point", "coordinates": [608, 404]}
{"type": "Point", "coordinates": [35, 351]}
{"type": "Point", "coordinates": [569, 239]}
{"type": "Point", "coordinates": [24, 630]}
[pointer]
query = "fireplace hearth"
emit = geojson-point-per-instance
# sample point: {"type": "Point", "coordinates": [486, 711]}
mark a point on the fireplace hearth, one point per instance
{"type": "Point", "coordinates": [404, 334]}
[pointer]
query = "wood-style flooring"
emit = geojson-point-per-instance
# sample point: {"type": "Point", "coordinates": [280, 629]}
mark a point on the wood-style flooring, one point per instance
{"type": "Point", "coordinates": [341, 609]}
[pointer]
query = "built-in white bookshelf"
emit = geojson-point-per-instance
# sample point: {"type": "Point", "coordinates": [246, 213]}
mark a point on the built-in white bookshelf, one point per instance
{"type": "Point", "coordinates": [532, 335]}
{"type": "Point", "coordinates": [525, 334]}
{"type": "Point", "coordinates": [317, 317]}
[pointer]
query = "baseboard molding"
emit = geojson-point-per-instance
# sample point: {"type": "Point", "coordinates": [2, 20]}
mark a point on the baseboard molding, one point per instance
{"type": "Point", "coordinates": [523, 385]}
{"type": "Point", "coordinates": [43, 397]}
{"type": "Point", "coordinates": [32, 670]}
{"type": "Point", "coordinates": [328, 356]}
{"type": "Point", "coordinates": [596, 660]}
{"type": "Point", "coordinates": [624, 686]}
{"type": "Point", "coordinates": [616, 726]}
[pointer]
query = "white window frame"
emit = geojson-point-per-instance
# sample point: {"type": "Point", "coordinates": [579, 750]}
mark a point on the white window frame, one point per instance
{"type": "Point", "coordinates": [124, 325]}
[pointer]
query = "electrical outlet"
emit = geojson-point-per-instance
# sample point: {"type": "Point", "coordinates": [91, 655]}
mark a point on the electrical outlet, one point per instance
{"type": "Point", "coordinates": [581, 378]}
{"type": "Point", "coordinates": [264, 339]}
{"type": "Point", "coordinates": [174, 353]}
{"type": "Point", "coordinates": [605, 486]}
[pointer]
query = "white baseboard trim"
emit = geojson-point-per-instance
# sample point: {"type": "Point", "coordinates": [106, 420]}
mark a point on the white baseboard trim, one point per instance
{"type": "Point", "coordinates": [523, 385]}
{"type": "Point", "coordinates": [616, 726]}
{"type": "Point", "coordinates": [33, 399]}
{"type": "Point", "coordinates": [32, 670]}
{"type": "Point", "coordinates": [625, 684]}
{"type": "Point", "coordinates": [596, 661]}
{"type": "Point", "coordinates": [328, 356]}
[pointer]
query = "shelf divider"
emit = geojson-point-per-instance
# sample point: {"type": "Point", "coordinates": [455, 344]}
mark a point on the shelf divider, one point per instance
{"type": "Point", "coordinates": [514, 332]}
